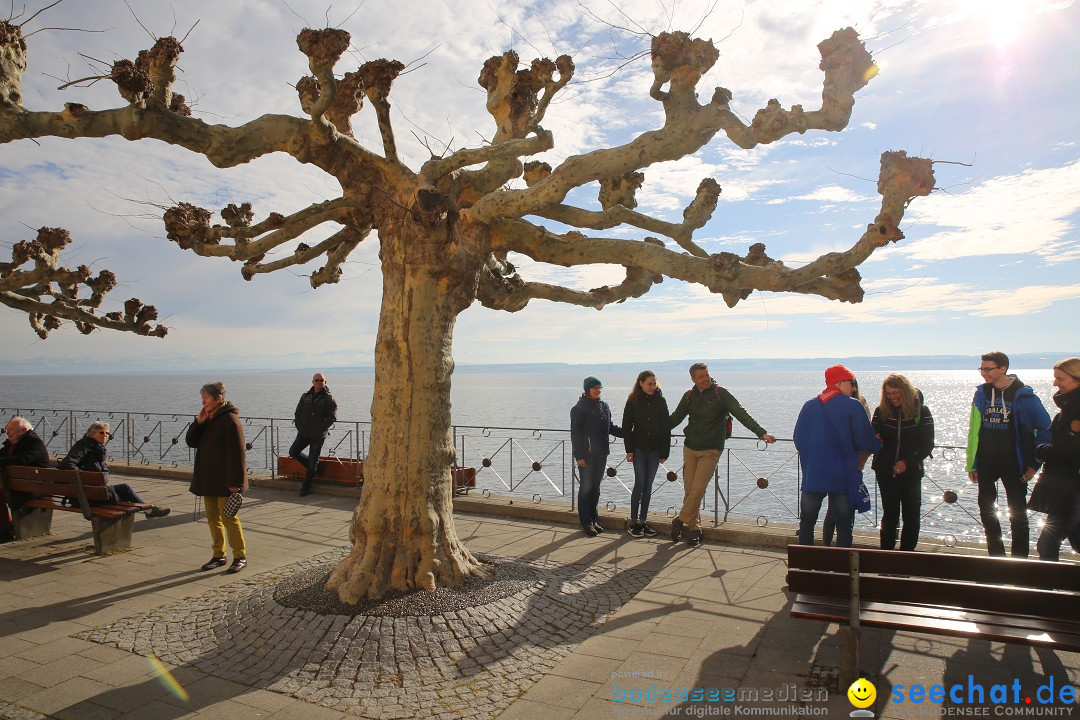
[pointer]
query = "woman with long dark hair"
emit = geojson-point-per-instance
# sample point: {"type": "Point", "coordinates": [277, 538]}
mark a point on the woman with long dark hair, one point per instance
{"type": "Point", "coordinates": [906, 428]}
{"type": "Point", "coordinates": [1061, 459]}
{"type": "Point", "coordinates": [647, 437]}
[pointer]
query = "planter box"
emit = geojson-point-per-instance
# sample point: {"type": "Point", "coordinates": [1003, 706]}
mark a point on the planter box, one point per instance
{"type": "Point", "coordinates": [464, 478]}
{"type": "Point", "coordinates": [351, 472]}
{"type": "Point", "coordinates": [343, 471]}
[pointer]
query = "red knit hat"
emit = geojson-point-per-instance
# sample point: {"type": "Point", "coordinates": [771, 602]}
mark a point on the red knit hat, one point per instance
{"type": "Point", "coordinates": [837, 373]}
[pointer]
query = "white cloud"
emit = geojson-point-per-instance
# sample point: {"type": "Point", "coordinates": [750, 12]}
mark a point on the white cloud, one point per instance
{"type": "Point", "coordinates": [1021, 214]}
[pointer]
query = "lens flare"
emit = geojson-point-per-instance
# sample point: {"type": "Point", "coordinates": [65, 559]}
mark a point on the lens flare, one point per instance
{"type": "Point", "coordinates": [166, 678]}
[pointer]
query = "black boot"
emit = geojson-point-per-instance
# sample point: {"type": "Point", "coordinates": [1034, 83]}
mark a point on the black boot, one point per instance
{"type": "Point", "coordinates": [305, 489]}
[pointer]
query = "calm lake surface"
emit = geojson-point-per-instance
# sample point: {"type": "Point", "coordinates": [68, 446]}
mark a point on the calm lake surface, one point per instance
{"type": "Point", "coordinates": [520, 399]}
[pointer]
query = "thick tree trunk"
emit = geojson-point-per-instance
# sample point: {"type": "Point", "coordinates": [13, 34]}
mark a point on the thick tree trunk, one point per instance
{"type": "Point", "coordinates": [403, 531]}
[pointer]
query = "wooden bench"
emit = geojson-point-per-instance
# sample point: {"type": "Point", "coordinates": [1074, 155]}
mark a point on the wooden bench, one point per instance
{"type": "Point", "coordinates": [1010, 600]}
{"type": "Point", "coordinates": [43, 490]}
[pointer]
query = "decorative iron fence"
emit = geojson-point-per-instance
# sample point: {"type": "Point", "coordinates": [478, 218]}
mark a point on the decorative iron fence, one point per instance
{"type": "Point", "coordinates": [755, 484]}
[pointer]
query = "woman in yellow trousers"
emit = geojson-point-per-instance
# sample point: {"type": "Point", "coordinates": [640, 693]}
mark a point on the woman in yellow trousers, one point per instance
{"type": "Point", "coordinates": [220, 471]}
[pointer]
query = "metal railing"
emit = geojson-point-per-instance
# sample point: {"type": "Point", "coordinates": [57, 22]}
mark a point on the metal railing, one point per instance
{"type": "Point", "coordinates": [754, 485]}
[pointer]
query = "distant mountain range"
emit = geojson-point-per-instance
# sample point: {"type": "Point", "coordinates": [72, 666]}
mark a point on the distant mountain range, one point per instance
{"type": "Point", "coordinates": [175, 365]}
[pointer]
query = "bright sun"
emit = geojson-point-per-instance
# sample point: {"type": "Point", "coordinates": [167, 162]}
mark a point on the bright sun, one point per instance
{"type": "Point", "coordinates": [1001, 20]}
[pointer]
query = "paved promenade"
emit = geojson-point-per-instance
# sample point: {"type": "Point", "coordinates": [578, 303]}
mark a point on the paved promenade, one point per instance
{"type": "Point", "coordinates": [577, 628]}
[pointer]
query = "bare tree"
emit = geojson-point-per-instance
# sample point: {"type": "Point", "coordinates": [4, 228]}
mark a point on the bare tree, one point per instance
{"type": "Point", "coordinates": [446, 232]}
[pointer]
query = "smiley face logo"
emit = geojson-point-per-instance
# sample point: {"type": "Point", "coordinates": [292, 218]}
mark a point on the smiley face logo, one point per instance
{"type": "Point", "coordinates": [862, 693]}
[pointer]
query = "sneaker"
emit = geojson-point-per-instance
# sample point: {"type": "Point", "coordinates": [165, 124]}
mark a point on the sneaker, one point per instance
{"type": "Point", "coordinates": [156, 512]}
{"type": "Point", "coordinates": [695, 539]}
{"type": "Point", "coordinates": [597, 528]}
{"type": "Point", "coordinates": [634, 529]}
{"type": "Point", "coordinates": [305, 490]}
{"type": "Point", "coordinates": [238, 564]}
{"type": "Point", "coordinates": [588, 530]}
{"type": "Point", "coordinates": [647, 531]}
{"type": "Point", "coordinates": [676, 529]}
{"type": "Point", "coordinates": [214, 562]}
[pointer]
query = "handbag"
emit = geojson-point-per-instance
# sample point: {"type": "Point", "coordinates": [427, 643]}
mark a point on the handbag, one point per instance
{"type": "Point", "coordinates": [1051, 492]}
{"type": "Point", "coordinates": [232, 504]}
{"type": "Point", "coordinates": [862, 501]}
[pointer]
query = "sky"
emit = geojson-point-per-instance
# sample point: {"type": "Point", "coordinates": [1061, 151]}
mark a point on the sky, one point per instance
{"type": "Point", "coordinates": [983, 87]}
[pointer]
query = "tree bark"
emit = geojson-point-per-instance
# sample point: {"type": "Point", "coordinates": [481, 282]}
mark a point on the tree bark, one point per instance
{"type": "Point", "coordinates": [402, 531]}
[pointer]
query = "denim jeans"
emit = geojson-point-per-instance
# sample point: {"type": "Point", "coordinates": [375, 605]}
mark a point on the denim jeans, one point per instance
{"type": "Point", "coordinates": [810, 506]}
{"type": "Point", "coordinates": [1016, 494]}
{"type": "Point", "coordinates": [645, 467]}
{"type": "Point", "coordinates": [125, 493]}
{"type": "Point", "coordinates": [828, 527]}
{"type": "Point", "coordinates": [1060, 524]}
{"type": "Point", "coordinates": [900, 496]}
{"type": "Point", "coordinates": [588, 494]}
{"type": "Point", "coordinates": [310, 461]}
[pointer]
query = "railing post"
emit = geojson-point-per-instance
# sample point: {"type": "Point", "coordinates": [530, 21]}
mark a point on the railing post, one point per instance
{"type": "Point", "coordinates": [127, 438]}
{"type": "Point", "coordinates": [273, 452]}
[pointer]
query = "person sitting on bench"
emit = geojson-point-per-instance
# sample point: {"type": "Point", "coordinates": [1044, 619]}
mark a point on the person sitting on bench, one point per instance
{"type": "Point", "coordinates": [89, 453]}
{"type": "Point", "coordinates": [22, 447]}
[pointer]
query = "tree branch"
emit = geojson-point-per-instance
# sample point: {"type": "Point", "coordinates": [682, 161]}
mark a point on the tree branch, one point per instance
{"type": "Point", "coordinates": [832, 276]}
{"type": "Point", "coordinates": [189, 227]}
{"type": "Point", "coordinates": [512, 294]}
{"type": "Point", "coordinates": [50, 292]}
{"type": "Point", "coordinates": [436, 169]}
{"type": "Point", "coordinates": [679, 62]}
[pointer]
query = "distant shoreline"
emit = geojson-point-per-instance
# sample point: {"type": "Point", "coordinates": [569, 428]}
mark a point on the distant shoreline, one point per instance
{"type": "Point", "coordinates": [145, 367]}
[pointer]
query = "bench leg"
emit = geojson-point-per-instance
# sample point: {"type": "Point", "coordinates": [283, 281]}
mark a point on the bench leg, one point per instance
{"type": "Point", "coordinates": [849, 656]}
{"type": "Point", "coordinates": [31, 522]}
{"type": "Point", "coordinates": [112, 534]}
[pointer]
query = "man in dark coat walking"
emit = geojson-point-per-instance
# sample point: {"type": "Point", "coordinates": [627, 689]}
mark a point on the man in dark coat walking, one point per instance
{"type": "Point", "coordinates": [315, 413]}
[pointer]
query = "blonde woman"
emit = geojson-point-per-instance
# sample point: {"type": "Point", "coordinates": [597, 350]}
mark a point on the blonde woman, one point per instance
{"type": "Point", "coordinates": [1061, 458]}
{"type": "Point", "coordinates": [906, 428]}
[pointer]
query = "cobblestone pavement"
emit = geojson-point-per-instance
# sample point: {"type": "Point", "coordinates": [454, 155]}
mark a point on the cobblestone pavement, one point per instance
{"type": "Point", "coordinates": [471, 662]}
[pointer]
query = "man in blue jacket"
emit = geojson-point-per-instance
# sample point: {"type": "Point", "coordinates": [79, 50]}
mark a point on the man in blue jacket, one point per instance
{"type": "Point", "coordinates": [1007, 421]}
{"type": "Point", "coordinates": [834, 438]}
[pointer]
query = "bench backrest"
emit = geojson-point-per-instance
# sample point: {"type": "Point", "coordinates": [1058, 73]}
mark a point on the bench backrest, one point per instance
{"type": "Point", "coordinates": [53, 481]}
{"type": "Point", "coordinates": [1003, 585]}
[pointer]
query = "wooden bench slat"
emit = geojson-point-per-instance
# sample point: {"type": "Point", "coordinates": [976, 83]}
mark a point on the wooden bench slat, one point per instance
{"type": "Point", "coordinates": [950, 566]}
{"type": "Point", "coordinates": [106, 511]}
{"type": "Point", "coordinates": [975, 596]}
{"type": "Point", "coordinates": [34, 487]}
{"type": "Point", "coordinates": [835, 610]}
{"type": "Point", "coordinates": [954, 622]}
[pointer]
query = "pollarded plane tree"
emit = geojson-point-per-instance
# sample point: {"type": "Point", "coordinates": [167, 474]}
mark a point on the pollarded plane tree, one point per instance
{"type": "Point", "coordinates": [448, 231]}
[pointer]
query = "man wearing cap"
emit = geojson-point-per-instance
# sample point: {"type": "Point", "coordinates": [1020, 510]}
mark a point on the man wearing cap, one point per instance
{"type": "Point", "coordinates": [590, 426]}
{"type": "Point", "coordinates": [315, 413]}
{"type": "Point", "coordinates": [707, 405]}
{"type": "Point", "coordinates": [834, 438]}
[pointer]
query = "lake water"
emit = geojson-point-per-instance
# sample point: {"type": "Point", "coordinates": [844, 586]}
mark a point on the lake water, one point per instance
{"type": "Point", "coordinates": [518, 421]}
{"type": "Point", "coordinates": [493, 399]}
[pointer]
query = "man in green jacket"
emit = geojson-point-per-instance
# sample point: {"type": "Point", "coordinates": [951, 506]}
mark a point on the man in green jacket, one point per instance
{"type": "Point", "coordinates": [708, 406]}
